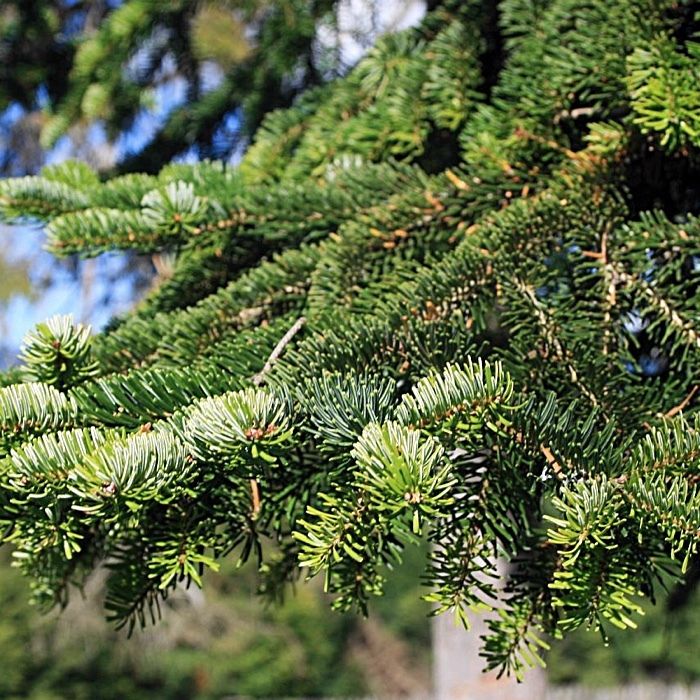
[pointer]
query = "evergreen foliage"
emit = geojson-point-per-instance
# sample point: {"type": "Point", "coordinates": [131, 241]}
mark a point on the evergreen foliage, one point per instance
{"type": "Point", "coordinates": [452, 295]}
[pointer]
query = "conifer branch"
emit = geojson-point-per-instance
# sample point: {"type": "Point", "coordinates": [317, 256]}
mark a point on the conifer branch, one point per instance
{"type": "Point", "coordinates": [487, 309]}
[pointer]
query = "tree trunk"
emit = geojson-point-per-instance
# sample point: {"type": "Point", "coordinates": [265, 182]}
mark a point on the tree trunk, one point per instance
{"type": "Point", "coordinates": [457, 666]}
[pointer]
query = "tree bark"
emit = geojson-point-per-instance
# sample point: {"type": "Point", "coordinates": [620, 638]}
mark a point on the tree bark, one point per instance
{"type": "Point", "coordinates": [457, 666]}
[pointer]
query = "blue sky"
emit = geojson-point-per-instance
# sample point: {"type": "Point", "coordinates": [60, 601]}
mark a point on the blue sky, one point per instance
{"type": "Point", "coordinates": [58, 289]}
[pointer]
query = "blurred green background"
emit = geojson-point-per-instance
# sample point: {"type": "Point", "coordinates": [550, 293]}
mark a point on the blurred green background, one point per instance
{"type": "Point", "coordinates": [225, 641]}
{"type": "Point", "coordinates": [220, 642]}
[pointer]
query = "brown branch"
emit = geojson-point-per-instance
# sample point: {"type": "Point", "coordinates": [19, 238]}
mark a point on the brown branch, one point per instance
{"type": "Point", "coordinates": [255, 497]}
{"type": "Point", "coordinates": [677, 409]}
{"type": "Point", "coordinates": [552, 462]}
{"type": "Point", "coordinates": [549, 457]}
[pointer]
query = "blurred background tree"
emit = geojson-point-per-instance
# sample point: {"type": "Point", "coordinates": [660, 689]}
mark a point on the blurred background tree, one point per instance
{"type": "Point", "coordinates": [133, 85]}
{"type": "Point", "coordinates": [222, 645]}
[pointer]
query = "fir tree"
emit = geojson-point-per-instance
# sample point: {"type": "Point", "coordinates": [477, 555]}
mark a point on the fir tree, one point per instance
{"type": "Point", "coordinates": [452, 295]}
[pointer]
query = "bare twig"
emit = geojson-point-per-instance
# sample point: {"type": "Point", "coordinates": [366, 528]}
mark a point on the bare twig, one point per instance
{"type": "Point", "coordinates": [549, 457]}
{"type": "Point", "coordinates": [255, 497]}
{"type": "Point", "coordinates": [574, 113]}
{"type": "Point", "coordinates": [552, 462]}
{"type": "Point", "coordinates": [677, 409]}
{"type": "Point", "coordinates": [279, 349]}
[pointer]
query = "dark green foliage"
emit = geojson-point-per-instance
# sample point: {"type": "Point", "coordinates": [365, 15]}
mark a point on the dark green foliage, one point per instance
{"type": "Point", "coordinates": [492, 347]}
